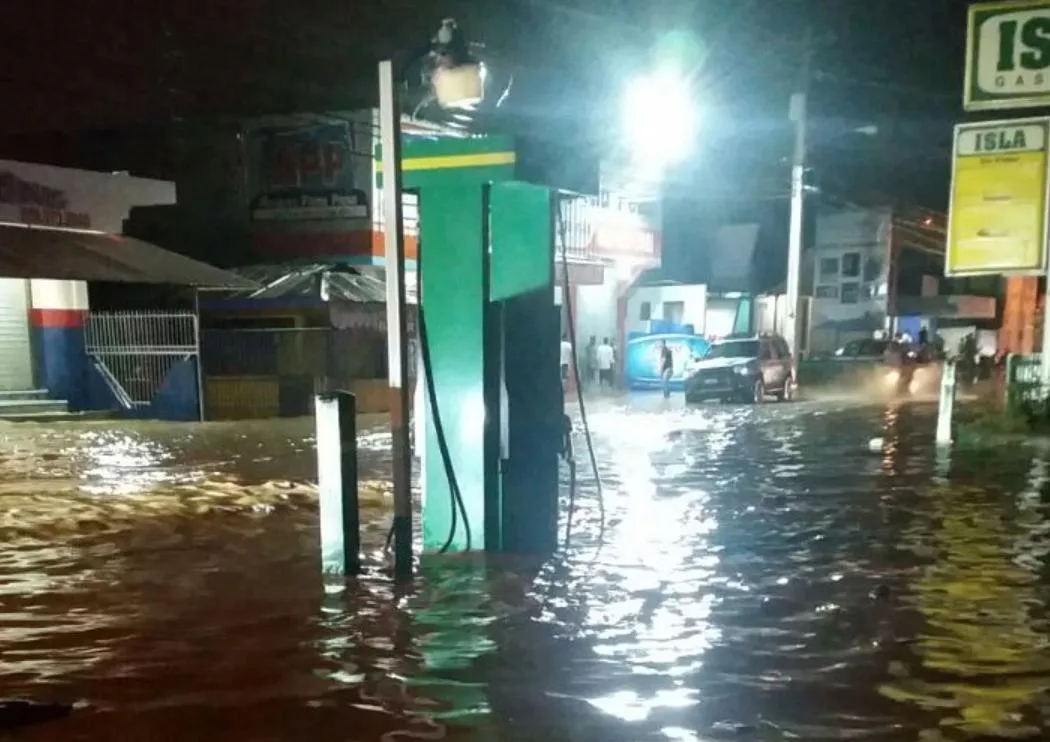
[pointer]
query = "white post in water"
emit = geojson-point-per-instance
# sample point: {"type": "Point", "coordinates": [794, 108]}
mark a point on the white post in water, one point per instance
{"type": "Point", "coordinates": [396, 317]}
{"type": "Point", "coordinates": [945, 407]}
{"type": "Point", "coordinates": [336, 416]}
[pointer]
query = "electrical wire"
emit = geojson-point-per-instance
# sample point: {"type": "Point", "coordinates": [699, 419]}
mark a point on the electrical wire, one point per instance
{"type": "Point", "coordinates": [571, 322]}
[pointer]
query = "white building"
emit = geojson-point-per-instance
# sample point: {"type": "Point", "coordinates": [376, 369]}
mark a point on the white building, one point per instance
{"type": "Point", "coordinates": [41, 312]}
{"type": "Point", "coordinates": [849, 277]}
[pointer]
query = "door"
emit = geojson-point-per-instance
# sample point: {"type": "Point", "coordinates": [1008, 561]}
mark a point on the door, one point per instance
{"type": "Point", "coordinates": [16, 358]}
{"type": "Point", "coordinates": [784, 355]}
{"type": "Point", "coordinates": [770, 363]}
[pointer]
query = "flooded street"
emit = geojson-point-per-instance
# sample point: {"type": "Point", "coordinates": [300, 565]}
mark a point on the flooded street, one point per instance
{"type": "Point", "coordinates": [760, 575]}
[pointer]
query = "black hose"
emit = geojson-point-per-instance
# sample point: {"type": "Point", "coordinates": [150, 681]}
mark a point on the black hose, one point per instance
{"type": "Point", "coordinates": [567, 300]}
{"type": "Point", "coordinates": [458, 507]}
{"type": "Point", "coordinates": [439, 430]}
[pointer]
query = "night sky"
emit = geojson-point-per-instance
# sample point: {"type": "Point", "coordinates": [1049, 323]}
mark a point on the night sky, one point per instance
{"type": "Point", "coordinates": [104, 84]}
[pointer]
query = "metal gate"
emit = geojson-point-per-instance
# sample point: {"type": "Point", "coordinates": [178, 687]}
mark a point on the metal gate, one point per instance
{"type": "Point", "coordinates": [134, 352]}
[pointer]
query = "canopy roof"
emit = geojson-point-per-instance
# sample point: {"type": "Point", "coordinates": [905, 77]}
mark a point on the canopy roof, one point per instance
{"type": "Point", "coordinates": [44, 252]}
{"type": "Point", "coordinates": [325, 281]}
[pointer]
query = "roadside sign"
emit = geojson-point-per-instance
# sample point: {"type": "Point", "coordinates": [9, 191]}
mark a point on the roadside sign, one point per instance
{"type": "Point", "coordinates": [1007, 55]}
{"type": "Point", "coordinates": [997, 217]}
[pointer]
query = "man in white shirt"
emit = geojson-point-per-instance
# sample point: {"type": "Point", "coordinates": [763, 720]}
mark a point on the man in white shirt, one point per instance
{"type": "Point", "coordinates": [566, 359]}
{"type": "Point", "coordinates": [606, 357]}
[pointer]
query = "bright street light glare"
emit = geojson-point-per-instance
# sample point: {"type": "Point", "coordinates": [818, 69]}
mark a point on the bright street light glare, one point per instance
{"type": "Point", "coordinates": [659, 119]}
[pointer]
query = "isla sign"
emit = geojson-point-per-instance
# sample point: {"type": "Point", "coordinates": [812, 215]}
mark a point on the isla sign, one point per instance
{"type": "Point", "coordinates": [1008, 55]}
{"type": "Point", "coordinates": [997, 218]}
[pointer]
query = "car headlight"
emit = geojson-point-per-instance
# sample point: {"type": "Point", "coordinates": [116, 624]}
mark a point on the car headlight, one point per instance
{"type": "Point", "coordinates": [742, 370]}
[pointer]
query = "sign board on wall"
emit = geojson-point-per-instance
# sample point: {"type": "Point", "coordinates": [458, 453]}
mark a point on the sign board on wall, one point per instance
{"type": "Point", "coordinates": [997, 218]}
{"type": "Point", "coordinates": [306, 172]}
{"type": "Point", "coordinates": [642, 360]}
{"type": "Point", "coordinates": [29, 202]}
{"type": "Point", "coordinates": [1008, 55]}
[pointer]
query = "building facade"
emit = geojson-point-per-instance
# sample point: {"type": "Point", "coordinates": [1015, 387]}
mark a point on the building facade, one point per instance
{"type": "Point", "coordinates": [42, 320]}
{"type": "Point", "coordinates": [849, 275]}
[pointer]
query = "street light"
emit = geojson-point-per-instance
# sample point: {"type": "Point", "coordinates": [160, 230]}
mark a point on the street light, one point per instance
{"type": "Point", "coordinates": [659, 119]}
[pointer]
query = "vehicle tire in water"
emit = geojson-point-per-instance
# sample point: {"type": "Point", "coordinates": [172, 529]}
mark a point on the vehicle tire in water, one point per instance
{"type": "Point", "coordinates": [758, 392]}
{"type": "Point", "coordinates": [788, 394]}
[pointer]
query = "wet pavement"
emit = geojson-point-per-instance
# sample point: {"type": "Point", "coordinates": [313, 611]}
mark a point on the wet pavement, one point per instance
{"type": "Point", "coordinates": [761, 575]}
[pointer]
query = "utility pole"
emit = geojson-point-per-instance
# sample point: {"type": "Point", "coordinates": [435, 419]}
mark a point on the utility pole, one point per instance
{"type": "Point", "coordinates": [797, 114]}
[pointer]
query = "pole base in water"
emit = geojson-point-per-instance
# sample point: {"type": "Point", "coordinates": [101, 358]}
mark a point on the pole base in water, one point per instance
{"type": "Point", "coordinates": [946, 405]}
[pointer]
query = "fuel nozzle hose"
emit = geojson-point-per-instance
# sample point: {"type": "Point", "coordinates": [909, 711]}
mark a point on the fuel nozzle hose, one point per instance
{"type": "Point", "coordinates": [457, 507]}
{"type": "Point", "coordinates": [571, 322]}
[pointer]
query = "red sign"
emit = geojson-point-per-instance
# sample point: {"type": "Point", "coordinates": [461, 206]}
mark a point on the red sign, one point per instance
{"type": "Point", "coordinates": [298, 162]}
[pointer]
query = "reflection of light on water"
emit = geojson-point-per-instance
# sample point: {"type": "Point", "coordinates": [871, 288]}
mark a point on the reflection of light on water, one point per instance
{"type": "Point", "coordinates": [655, 618]}
{"type": "Point", "coordinates": [975, 601]}
{"type": "Point", "coordinates": [122, 465]}
{"type": "Point", "coordinates": [631, 707]}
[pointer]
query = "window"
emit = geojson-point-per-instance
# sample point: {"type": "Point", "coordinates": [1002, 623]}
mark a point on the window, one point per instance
{"type": "Point", "coordinates": [850, 293]}
{"type": "Point", "coordinates": [872, 269]}
{"type": "Point", "coordinates": [851, 265]}
{"type": "Point", "coordinates": [781, 347]}
{"type": "Point", "coordinates": [827, 292]}
{"type": "Point", "coordinates": [768, 354]}
{"type": "Point", "coordinates": [733, 349]}
{"type": "Point", "coordinates": [674, 311]}
{"type": "Point", "coordinates": [646, 312]}
{"type": "Point", "coordinates": [829, 267]}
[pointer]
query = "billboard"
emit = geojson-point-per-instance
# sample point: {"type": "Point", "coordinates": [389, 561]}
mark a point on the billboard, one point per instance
{"type": "Point", "coordinates": [642, 359]}
{"type": "Point", "coordinates": [997, 213]}
{"type": "Point", "coordinates": [306, 173]}
{"type": "Point", "coordinates": [1007, 55]}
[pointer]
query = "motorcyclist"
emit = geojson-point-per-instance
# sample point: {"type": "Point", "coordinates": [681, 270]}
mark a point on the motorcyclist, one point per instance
{"type": "Point", "coordinates": [898, 357]}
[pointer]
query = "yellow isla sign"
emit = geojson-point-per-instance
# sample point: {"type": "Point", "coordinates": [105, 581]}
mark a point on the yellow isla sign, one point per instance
{"type": "Point", "coordinates": [997, 218]}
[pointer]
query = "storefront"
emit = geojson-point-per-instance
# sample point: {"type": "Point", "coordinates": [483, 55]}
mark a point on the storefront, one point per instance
{"type": "Point", "coordinates": [40, 318]}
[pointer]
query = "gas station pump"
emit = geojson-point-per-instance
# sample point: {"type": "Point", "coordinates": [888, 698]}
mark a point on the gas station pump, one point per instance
{"type": "Point", "coordinates": [491, 419]}
{"type": "Point", "coordinates": [492, 406]}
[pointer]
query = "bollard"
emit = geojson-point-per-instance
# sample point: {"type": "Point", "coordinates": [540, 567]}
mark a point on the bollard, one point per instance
{"type": "Point", "coordinates": [336, 416]}
{"type": "Point", "coordinates": [945, 406]}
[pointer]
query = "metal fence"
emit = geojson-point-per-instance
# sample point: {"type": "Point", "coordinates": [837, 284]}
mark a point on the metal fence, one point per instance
{"type": "Point", "coordinates": [135, 351]}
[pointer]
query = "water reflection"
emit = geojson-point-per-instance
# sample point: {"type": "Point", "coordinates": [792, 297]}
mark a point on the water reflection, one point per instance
{"type": "Point", "coordinates": [762, 575]}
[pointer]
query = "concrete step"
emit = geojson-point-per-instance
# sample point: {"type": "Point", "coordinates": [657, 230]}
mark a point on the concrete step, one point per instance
{"type": "Point", "coordinates": [9, 407]}
{"type": "Point", "coordinates": [57, 417]}
{"type": "Point", "coordinates": [22, 394]}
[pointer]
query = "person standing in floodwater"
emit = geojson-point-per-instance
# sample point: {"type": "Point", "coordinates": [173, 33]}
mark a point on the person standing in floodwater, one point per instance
{"type": "Point", "coordinates": [666, 368]}
{"type": "Point", "coordinates": [590, 361]}
{"type": "Point", "coordinates": [566, 360]}
{"type": "Point", "coordinates": [606, 357]}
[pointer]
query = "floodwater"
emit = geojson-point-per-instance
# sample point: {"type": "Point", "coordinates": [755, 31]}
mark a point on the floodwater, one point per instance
{"type": "Point", "coordinates": [761, 575]}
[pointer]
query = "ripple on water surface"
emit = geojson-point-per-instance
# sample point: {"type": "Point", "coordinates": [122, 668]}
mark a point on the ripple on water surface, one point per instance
{"type": "Point", "coordinates": [762, 576]}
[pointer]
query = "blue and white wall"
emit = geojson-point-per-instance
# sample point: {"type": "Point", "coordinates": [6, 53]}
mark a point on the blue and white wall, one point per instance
{"type": "Point", "coordinates": [42, 320]}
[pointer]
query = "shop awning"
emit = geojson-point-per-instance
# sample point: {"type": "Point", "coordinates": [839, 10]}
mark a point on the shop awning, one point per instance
{"type": "Point", "coordinates": [325, 281]}
{"type": "Point", "coordinates": [43, 252]}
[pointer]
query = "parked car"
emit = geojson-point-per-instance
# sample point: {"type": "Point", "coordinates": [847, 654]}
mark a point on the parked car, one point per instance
{"type": "Point", "coordinates": [744, 369]}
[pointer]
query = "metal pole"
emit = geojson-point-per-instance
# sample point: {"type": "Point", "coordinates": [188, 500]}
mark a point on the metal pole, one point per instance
{"type": "Point", "coordinates": [335, 414]}
{"type": "Point", "coordinates": [1044, 366]}
{"type": "Point", "coordinates": [798, 197]}
{"type": "Point", "coordinates": [200, 361]}
{"type": "Point", "coordinates": [396, 320]}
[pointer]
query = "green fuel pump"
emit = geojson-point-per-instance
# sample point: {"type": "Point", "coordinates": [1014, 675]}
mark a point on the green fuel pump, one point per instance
{"type": "Point", "coordinates": [494, 409]}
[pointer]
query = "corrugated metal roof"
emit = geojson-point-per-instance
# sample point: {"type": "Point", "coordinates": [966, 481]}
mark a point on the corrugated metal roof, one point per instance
{"type": "Point", "coordinates": [43, 252]}
{"type": "Point", "coordinates": [327, 281]}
